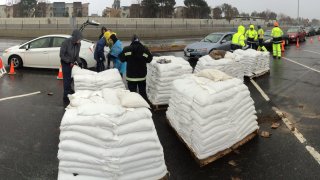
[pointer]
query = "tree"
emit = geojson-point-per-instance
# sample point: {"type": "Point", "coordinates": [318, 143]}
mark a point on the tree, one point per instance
{"type": "Point", "coordinates": [217, 12]}
{"type": "Point", "coordinates": [27, 7]}
{"type": "Point", "coordinates": [315, 21]}
{"type": "Point", "coordinates": [229, 11]}
{"type": "Point", "coordinates": [150, 8]}
{"type": "Point", "coordinates": [254, 14]}
{"type": "Point", "coordinates": [243, 14]}
{"type": "Point", "coordinates": [166, 8]}
{"type": "Point", "coordinates": [197, 8]}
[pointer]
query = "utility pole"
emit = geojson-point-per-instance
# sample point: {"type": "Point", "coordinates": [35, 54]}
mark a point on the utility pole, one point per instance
{"type": "Point", "coordinates": [298, 12]}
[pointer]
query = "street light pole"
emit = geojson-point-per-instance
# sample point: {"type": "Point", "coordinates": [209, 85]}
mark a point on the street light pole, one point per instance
{"type": "Point", "coordinates": [299, 12]}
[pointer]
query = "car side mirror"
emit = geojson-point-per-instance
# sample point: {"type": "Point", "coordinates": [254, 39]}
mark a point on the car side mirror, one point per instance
{"type": "Point", "coordinates": [27, 47]}
{"type": "Point", "coordinates": [223, 41]}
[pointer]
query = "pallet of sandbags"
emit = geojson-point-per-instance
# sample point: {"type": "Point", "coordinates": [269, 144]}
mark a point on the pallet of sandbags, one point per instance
{"type": "Point", "coordinates": [228, 65]}
{"type": "Point", "coordinates": [162, 71]}
{"type": "Point", "coordinates": [109, 134]}
{"type": "Point", "coordinates": [85, 79]}
{"type": "Point", "coordinates": [212, 113]}
{"type": "Point", "coordinates": [208, 160]}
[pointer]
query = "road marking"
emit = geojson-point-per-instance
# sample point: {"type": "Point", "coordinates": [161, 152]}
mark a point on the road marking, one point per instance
{"type": "Point", "coordinates": [263, 94]}
{"type": "Point", "coordinates": [312, 51]}
{"type": "Point", "coordinates": [289, 125]}
{"type": "Point", "coordinates": [314, 153]}
{"type": "Point", "coordinates": [318, 71]}
{"type": "Point", "coordinates": [19, 96]}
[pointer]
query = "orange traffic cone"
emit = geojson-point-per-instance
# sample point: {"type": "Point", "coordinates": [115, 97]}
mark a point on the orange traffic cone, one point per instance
{"type": "Point", "coordinates": [12, 72]}
{"type": "Point", "coordinates": [311, 40]}
{"type": "Point", "coordinates": [298, 45]}
{"type": "Point", "coordinates": [282, 46]}
{"type": "Point", "coordinates": [2, 69]}
{"type": "Point", "coordinates": [60, 75]}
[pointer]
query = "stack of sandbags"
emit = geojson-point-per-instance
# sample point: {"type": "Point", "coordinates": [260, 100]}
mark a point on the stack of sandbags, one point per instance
{"type": "Point", "coordinates": [228, 65]}
{"type": "Point", "coordinates": [211, 111]}
{"type": "Point", "coordinates": [162, 71]}
{"type": "Point", "coordinates": [109, 134]}
{"type": "Point", "coordinates": [89, 80]}
{"type": "Point", "coordinates": [253, 61]}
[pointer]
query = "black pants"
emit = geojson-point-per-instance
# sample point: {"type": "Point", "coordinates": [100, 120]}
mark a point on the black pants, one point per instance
{"type": "Point", "coordinates": [133, 85]}
{"type": "Point", "coordinates": [100, 62]}
{"type": "Point", "coordinates": [67, 80]}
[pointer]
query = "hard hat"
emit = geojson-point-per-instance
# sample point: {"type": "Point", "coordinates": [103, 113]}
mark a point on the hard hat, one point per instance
{"type": "Point", "coordinates": [251, 26]}
{"type": "Point", "coordinates": [276, 24]}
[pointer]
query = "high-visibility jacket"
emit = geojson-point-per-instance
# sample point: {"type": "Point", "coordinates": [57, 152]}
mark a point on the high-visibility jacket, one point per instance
{"type": "Point", "coordinates": [276, 35]}
{"type": "Point", "coordinates": [251, 35]}
{"type": "Point", "coordinates": [238, 38]}
{"type": "Point", "coordinates": [260, 33]}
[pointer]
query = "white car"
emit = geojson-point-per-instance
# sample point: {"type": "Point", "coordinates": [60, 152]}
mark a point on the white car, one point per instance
{"type": "Point", "coordinates": [43, 52]}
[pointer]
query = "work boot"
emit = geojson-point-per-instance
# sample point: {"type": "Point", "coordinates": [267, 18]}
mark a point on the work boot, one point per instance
{"type": "Point", "coordinates": [274, 57]}
{"type": "Point", "coordinates": [279, 57]}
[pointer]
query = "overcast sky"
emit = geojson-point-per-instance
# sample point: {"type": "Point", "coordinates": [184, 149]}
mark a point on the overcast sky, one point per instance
{"type": "Point", "coordinates": [308, 8]}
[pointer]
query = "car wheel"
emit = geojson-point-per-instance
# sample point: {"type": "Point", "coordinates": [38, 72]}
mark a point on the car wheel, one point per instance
{"type": "Point", "coordinates": [17, 61]}
{"type": "Point", "coordinates": [84, 64]}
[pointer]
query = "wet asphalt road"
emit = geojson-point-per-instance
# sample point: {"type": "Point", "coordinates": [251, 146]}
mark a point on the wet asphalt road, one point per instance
{"type": "Point", "coordinates": [30, 126]}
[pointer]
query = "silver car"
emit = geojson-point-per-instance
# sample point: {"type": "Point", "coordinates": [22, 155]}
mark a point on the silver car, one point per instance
{"type": "Point", "coordinates": [214, 41]}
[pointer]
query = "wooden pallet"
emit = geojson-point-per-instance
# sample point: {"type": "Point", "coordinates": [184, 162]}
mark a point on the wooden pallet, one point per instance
{"type": "Point", "coordinates": [159, 107]}
{"type": "Point", "coordinates": [208, 160]}
{"type": "Point", "coordinates": [258, 74]}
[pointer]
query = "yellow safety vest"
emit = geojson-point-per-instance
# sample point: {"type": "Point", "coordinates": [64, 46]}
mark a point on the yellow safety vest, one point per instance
{"type": "Point", "coordinates": [260, 33]}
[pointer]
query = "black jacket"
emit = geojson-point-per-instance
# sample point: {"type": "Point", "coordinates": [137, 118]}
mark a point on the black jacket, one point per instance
{"type": "Point", "coordinates": [137, 56]}
{"type": "Point", "coordinates": [69, 51]}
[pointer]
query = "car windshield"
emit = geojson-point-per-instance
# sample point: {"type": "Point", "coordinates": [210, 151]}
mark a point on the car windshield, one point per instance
{"type": "Point", "coordinates": [293, 30]}
{"type": "Point", "coordinates": [213, 38]}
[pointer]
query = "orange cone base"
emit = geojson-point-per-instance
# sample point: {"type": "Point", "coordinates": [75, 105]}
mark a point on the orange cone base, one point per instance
{"type": "Point", "coordinates": [59, 78]}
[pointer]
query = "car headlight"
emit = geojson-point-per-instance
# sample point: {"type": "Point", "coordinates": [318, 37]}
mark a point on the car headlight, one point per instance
{"type": "Point", "coordinates": [6, 51]}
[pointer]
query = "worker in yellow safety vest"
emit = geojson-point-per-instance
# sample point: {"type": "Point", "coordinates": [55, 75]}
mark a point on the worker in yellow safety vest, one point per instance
{"type": "Point", "coordinates": [260, 39]}
{"type": "Point", "coordinates": [276, 35]}
{"type": "Point", "coordinates": [252, 37]}
{"type": "Point", "coordinates": [238, 39]}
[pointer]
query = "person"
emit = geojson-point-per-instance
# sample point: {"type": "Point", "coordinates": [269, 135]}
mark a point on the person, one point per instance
{"type": "Point", "coordinates": [69, 55]}
{"type": "Point", "coordinates": [99, 54]}
{"type": "Point", "coordinates": [238, 39]}
{"type": "Point", "coordinates": [103, 30]}
{"type": "Point", "coordinates": [137, 56]}
{"type": "Point", "coordinates": [251, 36]}
{"type": "Point", "coordinates": [276, 35]}
{"type": "Point", "coordinates": [260, 39]}
{"type": "Point", "coordinates": [115, 50]}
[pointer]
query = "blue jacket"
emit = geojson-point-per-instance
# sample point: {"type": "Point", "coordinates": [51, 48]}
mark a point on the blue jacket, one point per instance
{"type": "Point", "coordinates": [115, 51]}
{"type": "Point", "coordinates": [99, 51]}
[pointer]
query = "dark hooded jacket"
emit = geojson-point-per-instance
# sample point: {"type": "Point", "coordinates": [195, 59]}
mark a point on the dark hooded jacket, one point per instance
{"type": "Point", "coordinates": [69, 51]}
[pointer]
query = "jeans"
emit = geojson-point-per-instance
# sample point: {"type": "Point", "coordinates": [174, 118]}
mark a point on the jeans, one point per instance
{"type": "Point", "coordinates": [67, 80]}
{"type": "Point", "coordinates": [133, 85]}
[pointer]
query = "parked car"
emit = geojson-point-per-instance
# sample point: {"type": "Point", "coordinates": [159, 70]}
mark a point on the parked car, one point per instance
{"type": "Point", "coordinates": [43, 52]}
{"type": "Point", "coordinates": [310, 31]}
{"type": "Point", "coordinates": [268, 39]}
{"type": "Point", "coordinates": [295, 33]}
{"type": "Point", "coordinates": [317, 29]}
{"type": "Point", "coordinates": [214, 41]}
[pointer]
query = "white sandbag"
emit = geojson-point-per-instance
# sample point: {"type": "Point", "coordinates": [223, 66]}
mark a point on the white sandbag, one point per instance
{"type": "Point", "coordinates": [133, 100]}
{"type": "Point", "coordinates": [100, 108]}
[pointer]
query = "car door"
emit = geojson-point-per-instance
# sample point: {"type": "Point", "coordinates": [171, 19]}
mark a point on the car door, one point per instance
{"type": "Point", "coordinates": [36, 53]}
{"type": "Point", "coordinates": [226, 42]}
{"type": "Point", "coordinates": [54, 51]}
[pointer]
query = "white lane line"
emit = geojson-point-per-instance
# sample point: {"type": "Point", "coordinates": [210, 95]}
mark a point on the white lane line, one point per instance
{"type": "Point", "coordinates": [314, 153]}
{"type": "Point", "coordinates": [288, 123]}
{"type": "Point", "coordinates": [263, 94]}
{"type": "Point", "coordinates": [19, 96]}
{"type": "Point", "coordinates": [312, 51]}
{"type": "Point", "coordinates": [318, 71]}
